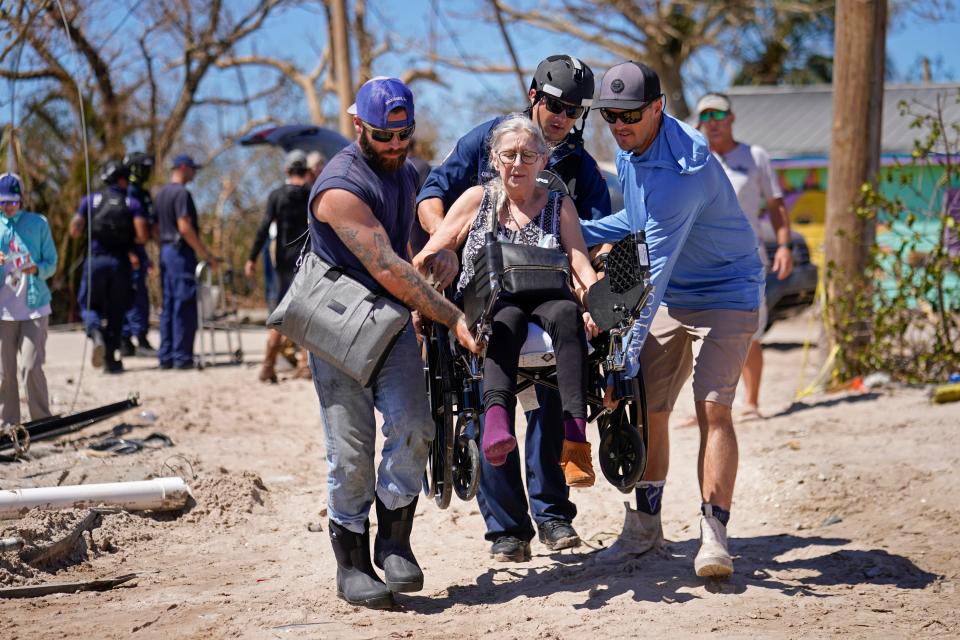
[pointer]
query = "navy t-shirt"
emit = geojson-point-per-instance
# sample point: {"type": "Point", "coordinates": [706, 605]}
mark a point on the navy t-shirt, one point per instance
{"type": "Point", "coordinates": [172, 202]}
{"type": "Point", "coordinates": [88, 204]}
{"type": "Point", "coordinates": [390, 196]}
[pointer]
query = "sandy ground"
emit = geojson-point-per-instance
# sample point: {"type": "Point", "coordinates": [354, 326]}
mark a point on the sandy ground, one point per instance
{"type": "Point", "coordinates": [845, 521]}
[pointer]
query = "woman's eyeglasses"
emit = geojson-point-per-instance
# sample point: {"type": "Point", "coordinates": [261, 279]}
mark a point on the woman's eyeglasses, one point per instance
{"type": "Point", "coordinates": [556, 106]}
{"type": "Point", "coordinates": [386, 135]}
{"type": "Point", "coordinates": [716, 115]}
{"type": "Point", "coordinates": [632, 116]}
{"type": "Point", "coordinates": [526, 157]}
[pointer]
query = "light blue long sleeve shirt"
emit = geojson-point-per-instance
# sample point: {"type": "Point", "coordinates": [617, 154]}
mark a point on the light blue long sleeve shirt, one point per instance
{"type": "Point", "coordinates": [703, 251]}
{"type": "Point", "coordinates": [32, 232]}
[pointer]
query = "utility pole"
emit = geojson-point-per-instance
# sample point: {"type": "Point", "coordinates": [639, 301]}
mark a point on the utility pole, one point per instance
{"type": "Point", "coordinates": [342, 72]}
{"type": "Point", "coordinates": [859, 51]}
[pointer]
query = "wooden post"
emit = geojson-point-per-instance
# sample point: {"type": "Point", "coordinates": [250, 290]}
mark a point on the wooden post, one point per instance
{"type": "Point", "coordinates": [859, 51]}
{"type": "Point", "coordinates": [343, 75]}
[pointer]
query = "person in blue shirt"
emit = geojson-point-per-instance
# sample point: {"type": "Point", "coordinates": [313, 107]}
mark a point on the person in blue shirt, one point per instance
{"type": "Point", "coordinates": [117, 225]}
{"type": "Point", "coordinates": [180, 245]}
{"type": "Point", "coordinates": [560, 95]}
{"type": "Point", "coordinates": [137, 319]}
{"type": "Point", "coordinates": [28, 258]}
{"type": "Point", "coordinates": [707, 279]}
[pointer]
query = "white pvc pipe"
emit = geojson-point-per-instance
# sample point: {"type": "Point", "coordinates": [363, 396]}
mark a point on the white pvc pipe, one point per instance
{"type": "Point", "coordinates": [159, 494]}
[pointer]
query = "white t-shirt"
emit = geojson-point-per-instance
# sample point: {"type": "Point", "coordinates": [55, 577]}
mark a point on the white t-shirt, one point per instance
{"type": "Point", "coordinates": [748, 168]}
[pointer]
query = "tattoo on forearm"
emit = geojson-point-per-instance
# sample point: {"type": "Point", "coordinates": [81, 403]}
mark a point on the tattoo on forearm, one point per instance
{"type": "Point", "coordinates": [413, 291]}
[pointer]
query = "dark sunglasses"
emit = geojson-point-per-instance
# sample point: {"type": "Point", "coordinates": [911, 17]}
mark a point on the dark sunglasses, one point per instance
{"type": "Point", "coordinates": [386, 135]}
{"type": "Point", "coordinates": [556, 106]}
{"type": "Point", "coordinates": [632, 116]}
{"type": "Point", "coordinates": [716, 115]}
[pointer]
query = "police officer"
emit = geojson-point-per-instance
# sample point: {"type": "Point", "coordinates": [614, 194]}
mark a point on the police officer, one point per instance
{"type": "Point", "coordinates": [560, 95]}
{"type": "Point", "coordinates": [180, 244]}
{"type": "Point", "coordinates": [137, 320]}
{"type": "Point", "coordinates": [117, 224]}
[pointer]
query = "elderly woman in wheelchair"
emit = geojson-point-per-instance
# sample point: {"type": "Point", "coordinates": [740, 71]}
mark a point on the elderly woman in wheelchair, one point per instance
{"type": "Point", "coordinates": [519, 242]}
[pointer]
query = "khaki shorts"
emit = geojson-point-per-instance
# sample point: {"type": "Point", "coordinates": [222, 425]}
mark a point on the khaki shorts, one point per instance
{"type": "Point", "coordinates": [667, 355]}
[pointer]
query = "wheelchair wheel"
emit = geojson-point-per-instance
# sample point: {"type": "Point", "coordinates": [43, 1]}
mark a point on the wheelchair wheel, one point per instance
{"type": "Point", "coordinates": [622, 453]}
{"type": "Point", "coordinates": [466, 468]}
{"type": "Point", "coordinates": [438, 481]}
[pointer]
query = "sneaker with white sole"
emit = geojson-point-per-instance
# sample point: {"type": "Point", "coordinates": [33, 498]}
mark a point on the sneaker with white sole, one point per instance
{"type": "Point", "coordinates": [713, 560]}
{"type": "Point", "coordinates": [641, 533]}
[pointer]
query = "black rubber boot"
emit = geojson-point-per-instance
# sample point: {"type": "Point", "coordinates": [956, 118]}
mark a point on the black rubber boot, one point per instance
{"type": "Point", "coordinates": [127, 348]}
{"type": "Point", "coordinates": [357, 582]}
{"type": "Point", "coordinates": [391, 549]}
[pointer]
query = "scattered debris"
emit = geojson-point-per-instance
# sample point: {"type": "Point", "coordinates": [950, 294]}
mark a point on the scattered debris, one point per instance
{"type": "Point", "coordinates": [946, 393]}
{"type": "Point", "coordinates": [115, 446]}
{"type": "Point", "coordinates": [159, 494]}
{"type": "Point", "coordinates": [314, 527]}
{"type": "Point", "coordinates": [64, 546]}
{"type": "Point", "coordinates": [831, 519]}
{"type": "Point", "coordinates": [32, 591]}
{"type": "Point", "coordinates": [11, 544]}
{"type": "Point", "coordinates": [58, 425]}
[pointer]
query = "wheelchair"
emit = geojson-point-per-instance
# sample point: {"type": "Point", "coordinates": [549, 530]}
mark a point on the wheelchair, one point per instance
{"type": "Point", "coordinates": [454, 379]}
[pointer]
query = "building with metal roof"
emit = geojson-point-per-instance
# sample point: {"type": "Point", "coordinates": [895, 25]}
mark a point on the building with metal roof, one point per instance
{"type": "Point", "coordinates": [793, 123]}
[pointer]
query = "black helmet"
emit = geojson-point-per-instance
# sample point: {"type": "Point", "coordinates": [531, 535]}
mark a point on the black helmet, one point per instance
{"type": "Point", "coordinates": [565, 78]}
{"type": "Point", "coordinates": [112, 171]}
{"type": "Point", "coordinates": [140, 165]}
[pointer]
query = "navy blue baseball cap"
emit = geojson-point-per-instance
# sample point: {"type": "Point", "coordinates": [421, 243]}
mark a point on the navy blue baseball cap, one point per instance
{"type": "Point", "coordinates": [378, 97]}
{"type": "Point", "coordinates": [10, 188]}
{"type": "Point", "coordinates": [183, 160]}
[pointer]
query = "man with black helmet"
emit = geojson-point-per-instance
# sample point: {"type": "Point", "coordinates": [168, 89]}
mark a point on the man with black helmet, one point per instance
{"type": "Point", "coordinates": [560, 94]}
{"type": "Point", "coordinates": [137, 320]}
{"type": "Point", "coordinates": [117, 225]}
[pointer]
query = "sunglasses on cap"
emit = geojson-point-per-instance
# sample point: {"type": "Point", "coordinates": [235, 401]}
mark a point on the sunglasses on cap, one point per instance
{"type": "Point", "coordinates": [557, 106]}
{"type": "Point", "coordinates": [386, 135]}
{"type": "Point", "coordinates": [716, 115]}
{"type": "Point", "coordinates": [632, 116]}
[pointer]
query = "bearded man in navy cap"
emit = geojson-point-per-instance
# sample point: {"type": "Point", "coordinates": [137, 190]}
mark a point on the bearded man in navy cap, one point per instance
{"type": "Point", "coordinates": [362, 209]}
{"type": "Point", "coordinates": [707, 278]}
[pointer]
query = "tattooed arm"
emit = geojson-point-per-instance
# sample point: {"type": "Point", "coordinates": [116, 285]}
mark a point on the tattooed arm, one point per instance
{"type": "Point", "coordinates": [358, 229]}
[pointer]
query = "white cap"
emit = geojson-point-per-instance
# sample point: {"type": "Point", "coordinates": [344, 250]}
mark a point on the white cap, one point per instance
{"type": "Point", "coordinates": [713, 102]}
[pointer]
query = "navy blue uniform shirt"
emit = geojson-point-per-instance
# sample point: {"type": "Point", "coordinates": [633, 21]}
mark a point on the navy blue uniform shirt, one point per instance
{"type": "Point", "coordinates": [173, 202]}
{"type": "Point", "coordinates": [89, 203]}
{"type": "Point", "coordinates": [468, 165]}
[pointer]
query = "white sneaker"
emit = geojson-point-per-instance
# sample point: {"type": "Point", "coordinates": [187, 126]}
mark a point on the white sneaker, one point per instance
{"type": "Point", "coordinates": [641, 533]}
{"type": "Point", "coordinates": [713, 560]}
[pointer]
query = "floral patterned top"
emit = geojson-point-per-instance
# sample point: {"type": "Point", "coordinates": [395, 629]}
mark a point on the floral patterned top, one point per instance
{"type": "Point", "coordinates": [542, 231]}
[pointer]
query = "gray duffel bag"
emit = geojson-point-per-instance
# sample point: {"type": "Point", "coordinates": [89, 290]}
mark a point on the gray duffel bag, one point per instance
{"type": "Point", "coordinates": [338, 319]}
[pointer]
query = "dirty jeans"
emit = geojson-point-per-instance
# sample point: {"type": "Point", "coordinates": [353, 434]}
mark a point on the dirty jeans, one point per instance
{"type": "Point", "coordinates": [350, 433]}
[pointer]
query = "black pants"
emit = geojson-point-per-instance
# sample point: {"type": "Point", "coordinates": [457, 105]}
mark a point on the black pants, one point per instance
{"type": "Point", "coordinates": [561, 319]}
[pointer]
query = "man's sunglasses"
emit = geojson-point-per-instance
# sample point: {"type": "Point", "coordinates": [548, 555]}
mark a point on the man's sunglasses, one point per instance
{"type": "Point", "coordinates": [716, 115]}
{"type": "Point", "coordinates": [632, 116]}
{"type": "Point", "coordinates": [4, 203]}
{"type": "Point", "coordinates": [386, 135]}
{"type": "Point", "coordinates": [557, 106]}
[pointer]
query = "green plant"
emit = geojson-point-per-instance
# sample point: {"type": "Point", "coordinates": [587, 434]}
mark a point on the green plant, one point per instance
{"type": "Point", "coordinates": [906, 321]}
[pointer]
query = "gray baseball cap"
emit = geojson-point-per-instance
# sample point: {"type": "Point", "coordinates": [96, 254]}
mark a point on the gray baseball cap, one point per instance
{"type": "Point", "coordinates": [628, 85]}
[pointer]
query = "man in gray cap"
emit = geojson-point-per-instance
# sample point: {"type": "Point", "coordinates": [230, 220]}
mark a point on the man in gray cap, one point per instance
{"type": "Point", "coordinates": [287, 208]}
{"type": "Point", "coordinates": [707, 276]}
{"type": "Point", "coordinates": [750, 173]}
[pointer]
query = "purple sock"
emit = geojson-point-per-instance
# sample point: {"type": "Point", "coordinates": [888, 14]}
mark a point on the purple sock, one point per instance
{"type": "Point", "coordinates": [497, 440]}
{"type": "Point", "coordinates": [575, 429]}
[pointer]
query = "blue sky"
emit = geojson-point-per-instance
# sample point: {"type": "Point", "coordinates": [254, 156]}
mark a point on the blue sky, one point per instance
{"type": "Point", "coordinates": [466, 98]}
